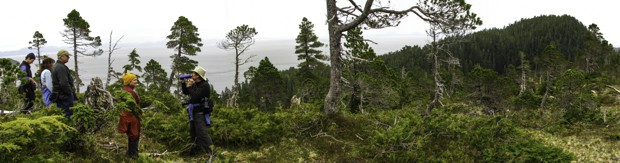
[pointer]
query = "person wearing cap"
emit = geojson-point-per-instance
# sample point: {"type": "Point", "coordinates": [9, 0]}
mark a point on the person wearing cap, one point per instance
{"type": "Point", "coordinates": [29, 86]}
{"type": "Point", "coordinates": [197, 87]}
{"type": "Point", "coordinates": [46, 80]}
{"type": "Point", "coordinates": [63, 93]}
{"type": "Point", "coordinates": [129, 122]}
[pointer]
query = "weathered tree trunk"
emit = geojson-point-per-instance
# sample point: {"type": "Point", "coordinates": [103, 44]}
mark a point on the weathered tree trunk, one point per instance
{"type": "Point", "coordinates": [438, 85]}
{"type": "Point", "coordinates": [236, 68]}
{"type": "Point", "coordinates": [544, 100]}
{"type": "Point", "coordinates": [111, 50]}
{"type": "Point", "coordinates": [436, 76]}
{"type": "Point", "coordinates": [75, 56]}
{"type": "Point", "coordinates": [333, 95]}
{"type": "Point", "coordinates": [174, 68]}
{"type": "Point", "coordinates": [523, 81]}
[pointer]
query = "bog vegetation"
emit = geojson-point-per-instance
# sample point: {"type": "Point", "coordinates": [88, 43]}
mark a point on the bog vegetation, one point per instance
{"type": "Point", "coordinates": [542, 89]}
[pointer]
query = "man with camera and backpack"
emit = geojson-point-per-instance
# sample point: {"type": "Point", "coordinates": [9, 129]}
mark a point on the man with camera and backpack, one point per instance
{"type": "Point", "coordinates": [199, 110]}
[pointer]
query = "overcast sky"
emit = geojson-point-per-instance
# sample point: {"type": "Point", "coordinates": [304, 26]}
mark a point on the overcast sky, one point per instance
{"type": "Point", "coordinates": [143, 21]}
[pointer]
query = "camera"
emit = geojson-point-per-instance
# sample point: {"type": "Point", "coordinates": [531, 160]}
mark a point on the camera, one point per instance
{"type": "Point", "coordinates": [185, 76]}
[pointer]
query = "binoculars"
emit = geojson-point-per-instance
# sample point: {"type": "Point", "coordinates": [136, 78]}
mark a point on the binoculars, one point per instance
{"type": "Point", "coordinates": [185, 76]}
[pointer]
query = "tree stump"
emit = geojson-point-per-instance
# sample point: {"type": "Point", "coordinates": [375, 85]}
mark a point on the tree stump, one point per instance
{"type": "Point", "coordinates": [98, 98]}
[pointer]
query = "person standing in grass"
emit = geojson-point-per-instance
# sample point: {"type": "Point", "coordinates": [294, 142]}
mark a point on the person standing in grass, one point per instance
{"type": "Point", "coordinates": [129, 122]}
{"type": "Point", "coordinates": [197, 87]}
{"type": "Point", "coordinates": [63, 93]}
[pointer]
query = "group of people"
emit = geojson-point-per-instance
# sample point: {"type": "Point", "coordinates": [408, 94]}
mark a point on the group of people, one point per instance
{"type": "Point", "coordinates": [57, 87]}
{"type": "Point", "coordinates": [56, 83]}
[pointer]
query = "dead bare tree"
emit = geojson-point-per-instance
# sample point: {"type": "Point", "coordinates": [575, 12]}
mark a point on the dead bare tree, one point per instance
{"type": "Point", "coordinates": [239, 39]}
{"type": "Point", "coordinates": [375, 14]}
{"type": "Point", "coordinates": [443, 35]}
{"type": "Point", "coordinates": [111, 50]}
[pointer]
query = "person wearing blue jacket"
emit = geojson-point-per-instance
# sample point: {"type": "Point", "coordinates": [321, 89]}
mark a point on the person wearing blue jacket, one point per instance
{"type": "Point", "coordinates": [30, 85]}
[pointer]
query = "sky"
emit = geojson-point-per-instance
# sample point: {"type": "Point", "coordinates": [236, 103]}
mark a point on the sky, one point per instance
{"type": "Point", "coordinates": [147, 21]}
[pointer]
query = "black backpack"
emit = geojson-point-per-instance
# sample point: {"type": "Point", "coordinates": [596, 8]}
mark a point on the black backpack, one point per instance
{"type": "Point", "coordinates": [208, 104]}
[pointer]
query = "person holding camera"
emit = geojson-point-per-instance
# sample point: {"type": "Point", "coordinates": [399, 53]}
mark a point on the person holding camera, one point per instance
{"type": "Point", "coordinates": [197, 87]}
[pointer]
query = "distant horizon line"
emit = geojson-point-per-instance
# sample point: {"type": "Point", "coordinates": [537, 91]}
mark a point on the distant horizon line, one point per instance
{"type": "Point", "coordinates": [324, 39]}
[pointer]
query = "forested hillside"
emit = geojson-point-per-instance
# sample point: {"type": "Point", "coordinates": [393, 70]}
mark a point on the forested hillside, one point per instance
{"type": "Point", "coordinates": [542, 89]}
{"type": "Point", "coordinates": [497, 49]}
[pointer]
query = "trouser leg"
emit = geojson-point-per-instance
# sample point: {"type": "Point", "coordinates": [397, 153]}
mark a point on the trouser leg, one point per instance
{"type": "Point", "coordinates": [132, 143]}
{"type": "Point", "coordinates": [29, 100]}
{"type": "Point", "coordinates": [132, 146]}
{"type": "Point", "coordinates": [203, 140]}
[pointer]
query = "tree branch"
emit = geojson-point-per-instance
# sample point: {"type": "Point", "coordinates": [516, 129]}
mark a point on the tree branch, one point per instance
{"type": "Point", "coordinates": [358, 20]}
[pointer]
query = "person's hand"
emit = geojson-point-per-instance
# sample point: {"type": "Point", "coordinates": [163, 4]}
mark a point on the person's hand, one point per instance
{"type": "Point", "coordinates": [190, 82]}
{"type": "Point", "coordinates": [34, 82]}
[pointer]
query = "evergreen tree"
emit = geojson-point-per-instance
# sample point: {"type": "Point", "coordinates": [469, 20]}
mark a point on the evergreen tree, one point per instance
{"type": "Point", "coordinates": [360, 54]}
{"type": "Point", "coordinates": [550, 64]}
{"type": "Point", "coordinates": [483, 87]}
{"type": "Point", "coordinates": [306, 48]}
{"type": "Point", "coordinates": [154, 76]}
{"type": "Point", "coordinates": [184, 38]}
{"type": "Point", "coordinates": [78, 35]}
{"type": "Point", "coordinates": [267, 84]}
{"type": "Point", "coordinates": [37, 42]}
{"type": "Point", "coordinates": [134, 62]}
{"type": "Point", "coordinates": [9, 72]}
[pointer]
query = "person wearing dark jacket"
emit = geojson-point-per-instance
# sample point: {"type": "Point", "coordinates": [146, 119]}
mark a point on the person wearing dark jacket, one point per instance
{"type": "Point", "coordinates": [63, 93]}
{"type": "Point", "coordinates": [130, 123]}
{"type": "Point", "coordinates": [198, 90]}
{"type": "Point", "coordinates": [29, 86]}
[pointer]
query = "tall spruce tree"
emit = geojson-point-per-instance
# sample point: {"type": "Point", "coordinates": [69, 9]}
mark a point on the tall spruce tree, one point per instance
{"type": "Point", "coordinates": [306, 48]}
{"type": "Point", "coordinates": [154, 76]}
{"type": "Point", "coordinates": [184, 38]}
{"type": "Point", "coordinates": [307, 51]}
{"type": "Point", "coordinates": [134, 62]}
{"type": "Point", "coordinates": [267, 84]}
{"type": "Point", "coordinates": [37, 42]}
{"type": "Point", "coordinates": [77, 34]}
{"type": "Point", "coordinates": [374, 14]}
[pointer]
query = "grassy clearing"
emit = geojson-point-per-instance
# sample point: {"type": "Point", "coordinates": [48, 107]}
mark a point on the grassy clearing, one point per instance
{"type": "Point", "coordinates": [587, 147]}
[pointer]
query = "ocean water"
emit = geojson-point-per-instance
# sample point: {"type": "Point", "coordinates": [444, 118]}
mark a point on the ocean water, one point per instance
{"type": "Point", "coordinates": [219, 63]}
